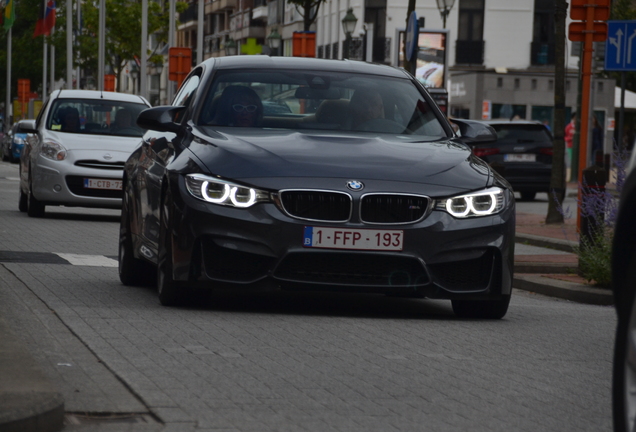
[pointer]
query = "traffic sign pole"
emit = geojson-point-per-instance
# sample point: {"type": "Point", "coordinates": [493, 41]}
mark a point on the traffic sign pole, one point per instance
{"type": "Point", "coordinates": [586, 75]}
{"type": "Point", "coordinates": [587, 31]}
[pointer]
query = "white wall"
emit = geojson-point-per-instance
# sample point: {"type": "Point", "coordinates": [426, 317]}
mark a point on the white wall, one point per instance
{"type": "Point", "coordinates": [508, 26]}
{"type": "Point", "coordinates": [508, 33]}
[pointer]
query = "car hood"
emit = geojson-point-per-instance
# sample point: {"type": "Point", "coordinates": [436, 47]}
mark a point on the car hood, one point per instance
{"type": "Point", "coordinates": [76, 142]}
{"type": "Point", "coordinates": [257, 153]}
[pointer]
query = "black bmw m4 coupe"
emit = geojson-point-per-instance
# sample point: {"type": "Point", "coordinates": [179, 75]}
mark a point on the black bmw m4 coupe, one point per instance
{"type": "Point", "coordinates": [321, 175]}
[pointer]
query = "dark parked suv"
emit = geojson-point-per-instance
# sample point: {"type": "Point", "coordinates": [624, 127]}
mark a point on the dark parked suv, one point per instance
{"type": "Point", "coordinates": [522, 154]}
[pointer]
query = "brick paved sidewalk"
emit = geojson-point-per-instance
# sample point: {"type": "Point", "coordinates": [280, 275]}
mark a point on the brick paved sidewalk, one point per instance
{"type": "Point", "coordinates": [535, 224]}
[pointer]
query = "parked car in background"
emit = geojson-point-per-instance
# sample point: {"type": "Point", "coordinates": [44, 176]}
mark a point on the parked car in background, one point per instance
{"type": "Point", "coordinates": [522, 154]}
{"type": "Point", "coordinates": [13, 143]}
{"type": "Point", "coordinates": [76, 153]}
{"type": "Point", "coordinates": [624, 288]}
{"type": "Point", "coordinates": [360, 185]}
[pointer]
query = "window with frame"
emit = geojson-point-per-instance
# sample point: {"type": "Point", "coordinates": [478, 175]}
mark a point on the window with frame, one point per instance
{"type": "Point", "coordinates": [289, 99]}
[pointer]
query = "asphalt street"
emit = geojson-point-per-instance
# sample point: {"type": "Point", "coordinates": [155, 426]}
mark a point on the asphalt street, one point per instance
{"type": "Point", "coordinates": [286, 361]}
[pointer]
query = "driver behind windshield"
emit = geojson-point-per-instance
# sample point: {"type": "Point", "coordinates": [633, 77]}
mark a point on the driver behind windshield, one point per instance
{"type": "Point", "coordinates": [366, 106]}
{"type": "Point", "coordinates": [123, 119]}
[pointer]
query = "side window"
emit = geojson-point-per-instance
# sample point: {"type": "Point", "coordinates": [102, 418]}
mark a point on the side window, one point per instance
{"type": "Point", "coordinates": [186, 91]}
{"type": "Point", "coordinates": [185, 94]}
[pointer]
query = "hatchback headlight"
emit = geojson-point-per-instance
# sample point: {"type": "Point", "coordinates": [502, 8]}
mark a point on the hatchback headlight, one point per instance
{"type": "Point", "coordinates": [53, 150]}
{"type": "Point", "coordinates": [222, 192]}
{"type": "Point", "coordinates": [483, 203]}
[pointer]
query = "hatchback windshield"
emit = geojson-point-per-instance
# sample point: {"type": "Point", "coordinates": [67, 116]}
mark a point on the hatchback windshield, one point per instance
{"type": "Point", "coordinates": [101, 117]}
{"type": "Point", "coordinates": [522, 134]}
{"type": "Point", "coordinates": [327, 101]}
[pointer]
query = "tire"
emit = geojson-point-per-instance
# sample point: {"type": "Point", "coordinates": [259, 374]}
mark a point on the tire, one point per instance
{"type": "Point", "coordinates": [23, 202]}
{"type": "Point", "coordinates": [132, 271]}
{"type": "Point", "coordinates": [34, 207]}
{"type": "Point", "coordinates": [624, 370]}
{"type": "Point", "coordinates": [168, 289]}
{"type": "Point", "coordinates": [5, 157]}
{"type": "Point", "coordinates": [482, 309]}
{"type": "Point", "coordinates": [528, 196]}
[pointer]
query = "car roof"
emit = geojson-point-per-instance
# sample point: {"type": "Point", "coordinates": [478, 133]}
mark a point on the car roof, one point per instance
{"type": "Point", "coordinates": [96, 94]}
{"type": "Point", "coordinates": [300, 63]}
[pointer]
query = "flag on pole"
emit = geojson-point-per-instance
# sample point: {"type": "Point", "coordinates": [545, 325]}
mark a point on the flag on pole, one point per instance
{"type": "Point", "coordinates": [8, 15]}
{"type": "Point", "coordinates": [46, 20]}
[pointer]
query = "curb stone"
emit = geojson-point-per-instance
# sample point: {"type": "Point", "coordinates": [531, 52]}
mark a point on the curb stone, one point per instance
{"type": "Point", "coordinates": [562, 289]}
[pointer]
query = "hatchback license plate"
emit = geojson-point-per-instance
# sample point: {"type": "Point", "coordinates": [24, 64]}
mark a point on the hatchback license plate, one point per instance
{"type": "Point", "coordinates": [90, 183]}
{"type": "Point", "coordinates": [520, 157]}
{"type": "Point", "coordinates": [354, 239]}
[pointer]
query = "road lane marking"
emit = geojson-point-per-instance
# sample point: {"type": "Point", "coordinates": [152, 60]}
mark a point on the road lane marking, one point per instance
{"type": "Point", "coordinates": [88, 260]}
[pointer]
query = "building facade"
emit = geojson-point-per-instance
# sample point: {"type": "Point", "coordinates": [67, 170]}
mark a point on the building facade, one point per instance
{"type": "Point", "coordinates": [498, 54]}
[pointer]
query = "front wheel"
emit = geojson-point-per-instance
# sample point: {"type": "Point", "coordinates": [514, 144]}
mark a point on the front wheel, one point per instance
{"type": "Point", "coordinates": [132, 271]}
{"type": "Point", "coordinates": [528, 196]}
{"type": "Point", "coordinates": [23, 202]}
{"type": "Point", "coordinates": [168, 289]}
{"type": "Point", "coordinates": [34, 207]}
{"type": "Point", "coordinates": [483, 309]}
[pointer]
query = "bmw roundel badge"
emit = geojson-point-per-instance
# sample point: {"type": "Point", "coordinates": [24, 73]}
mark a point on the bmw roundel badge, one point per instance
{"type": "Point", "coordinates": [355, 185]}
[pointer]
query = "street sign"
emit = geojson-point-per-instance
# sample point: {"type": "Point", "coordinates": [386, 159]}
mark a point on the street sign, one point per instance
{"type": "Point", "coordinates": [578, 9]}
{"type": "Point", "coordinates": [577, 31]}
{"type": "Point", "coordinates": [412, 32]}
{"type": "Point", "coordinates": [620, 48]}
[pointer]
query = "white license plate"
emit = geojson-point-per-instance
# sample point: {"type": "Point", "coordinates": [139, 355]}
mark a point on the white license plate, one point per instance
{"type": "Point", "coordinates": [354, 239]}
{"type": "Point", "coordinates": [520, 157]}
{"type": "Point", "coordinates": [90, 183]}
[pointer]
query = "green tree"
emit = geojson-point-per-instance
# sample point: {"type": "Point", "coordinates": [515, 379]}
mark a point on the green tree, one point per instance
{"type": "Point", "coordinates": [123, 32]}
{"type": "Point", "coordinates": [308, 9]}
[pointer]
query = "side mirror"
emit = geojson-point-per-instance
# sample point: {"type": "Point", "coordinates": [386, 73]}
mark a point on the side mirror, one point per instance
{"type": "Point", "coordinates": [475, 132]}
{"type": "Point", "coordinates": [27, 126]}
{"type": "Point", "coordinates": [161, 119]}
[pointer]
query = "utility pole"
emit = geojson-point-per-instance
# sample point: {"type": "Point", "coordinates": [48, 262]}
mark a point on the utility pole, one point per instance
{"type": "Point", "coordinates": [557, 181]}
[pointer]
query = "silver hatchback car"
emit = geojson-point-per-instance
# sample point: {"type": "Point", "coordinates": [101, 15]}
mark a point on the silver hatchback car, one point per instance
{"type": "Point", "coordinates": [75, 153]}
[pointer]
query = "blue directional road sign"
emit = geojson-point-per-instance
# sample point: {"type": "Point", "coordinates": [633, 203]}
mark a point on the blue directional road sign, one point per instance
{"type": "Point", "coordinates": [620, 47]}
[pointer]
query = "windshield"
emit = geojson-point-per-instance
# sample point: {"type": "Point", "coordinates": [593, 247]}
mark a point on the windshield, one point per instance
{"type": "Point", "coordinates": [326, 101]}
{"type": "Point", "coordinates": [522, 134]}
{"type": "Point", "coordinates": [99, 116]}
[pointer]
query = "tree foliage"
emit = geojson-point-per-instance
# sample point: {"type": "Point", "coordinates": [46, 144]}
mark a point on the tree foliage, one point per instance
{"type": "Point", "coordinates": [123, 36]}
{"type": "Point", "coordinates": [123, 39]}
{"type": "Point", "coordinates": [308, 9]}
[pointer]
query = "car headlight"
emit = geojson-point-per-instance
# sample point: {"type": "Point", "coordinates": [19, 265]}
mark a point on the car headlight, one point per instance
{"type": "Point", "coordinates": [53, 150]}
{"type": "Point", "coordinates": [482, 203]}
{"type": "Point", "coordinates": [19, 140]}
{"type": "Point", "coordinates": [222, 192]}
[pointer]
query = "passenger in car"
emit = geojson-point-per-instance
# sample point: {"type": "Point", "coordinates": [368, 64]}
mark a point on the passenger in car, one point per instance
{"type": "Point", "coordinates": [366, 105]}
{"type": "Point", "coordinates": [70, 120]}
{"type": "Point", "coordinates": [123, 120]}
{"type": "Point", "coordinates": [239, 106]}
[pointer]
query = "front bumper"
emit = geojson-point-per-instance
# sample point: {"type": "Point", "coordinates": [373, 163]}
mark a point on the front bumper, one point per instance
{"type": "Point", "coordinates": [443, 257]}
{"type": "Point", "coordinates": [62, 183]}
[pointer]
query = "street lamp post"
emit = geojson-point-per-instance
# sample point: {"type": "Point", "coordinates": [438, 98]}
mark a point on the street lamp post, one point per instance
{"type": "Point", "coordinates": [134, 73]}
{"type": "Point", "coordinates": [445, 7]}
{"type": "Point", "coordinates": [274, 40]}
{"type": "Point", "coordinates": [348, 25]}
